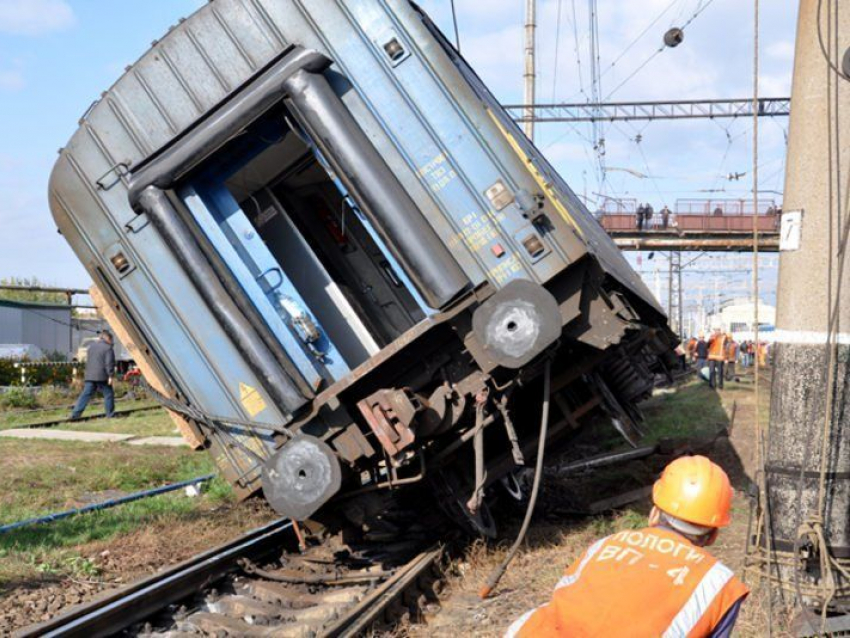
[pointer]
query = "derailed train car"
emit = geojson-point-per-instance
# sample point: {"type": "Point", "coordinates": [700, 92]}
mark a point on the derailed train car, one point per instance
{"type": "Point", "coordinates": [343, 261]}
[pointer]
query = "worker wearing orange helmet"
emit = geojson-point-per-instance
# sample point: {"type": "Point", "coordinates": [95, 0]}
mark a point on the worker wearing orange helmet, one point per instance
{"type": "Point", "coordinates": [658, 581]}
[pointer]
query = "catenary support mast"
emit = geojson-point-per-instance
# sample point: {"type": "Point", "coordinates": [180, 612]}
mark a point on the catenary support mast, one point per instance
{"type": "Point", "coordinates": [808, 451]}
{"type": "Point", "coordinates": [530, 70]}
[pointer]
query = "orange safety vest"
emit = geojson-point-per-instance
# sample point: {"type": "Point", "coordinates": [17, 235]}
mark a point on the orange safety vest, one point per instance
{"type": "Point", "coordinates": [649, 582]}
{"type": "Point", "coordinates": [717, 348]}
{"type": "Point", "coordinates": [731, 351]}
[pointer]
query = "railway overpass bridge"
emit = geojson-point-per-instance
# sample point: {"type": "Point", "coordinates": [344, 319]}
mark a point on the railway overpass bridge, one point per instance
{"type": "Point", "coordinates": [709, 241]}
{"type": "Point", "coordinates": [693, 225]}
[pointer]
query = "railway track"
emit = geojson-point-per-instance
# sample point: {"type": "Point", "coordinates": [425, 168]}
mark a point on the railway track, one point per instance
{"type": "Point", "coordinates": [247, 588]}
{"type": "Point", "coordinates": [90, 417]}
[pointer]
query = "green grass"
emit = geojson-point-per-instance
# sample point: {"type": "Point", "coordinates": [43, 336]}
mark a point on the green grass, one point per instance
{"type": "Point", "coordinates": [10, 419]}
{"type": "Point", "coordinates": [694, 410]}
{"type": "Point", "coordinates": [45, 476]}
{"type": "Point", "coordinates": [54, 549]}
{"type": "Point", "coordinates": [146, 423]}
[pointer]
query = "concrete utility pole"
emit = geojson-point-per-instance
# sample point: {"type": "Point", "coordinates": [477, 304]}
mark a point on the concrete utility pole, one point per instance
{"type": "Point", "coordinates": [670, 290]}
{"type": "Point", "coordinates": [679, 291]}
{"type": "Point", "coordinates": [530, 70]}
{"type": "Point", "coordinates": [808, 447]}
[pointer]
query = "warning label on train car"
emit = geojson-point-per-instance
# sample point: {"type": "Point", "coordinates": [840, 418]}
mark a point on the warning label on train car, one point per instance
{"type": "Point", "coordinates": [251, 400]}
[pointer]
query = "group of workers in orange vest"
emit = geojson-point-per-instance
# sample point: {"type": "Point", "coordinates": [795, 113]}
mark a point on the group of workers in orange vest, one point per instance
{"type": "Point", "coordinates": [657, 581]}
{"type": "Point", "coordinates": [720, 352]}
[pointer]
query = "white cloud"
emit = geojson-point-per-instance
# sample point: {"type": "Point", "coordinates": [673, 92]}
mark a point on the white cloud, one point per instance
{"type": "Point", "coordinates": [11, 80]}
{"type": "Point", "coordinates": [775, 84]}
{"type": "Point", "coordinates": [783, 50]}
{"type": "Point", "coordinates": [35, 17]}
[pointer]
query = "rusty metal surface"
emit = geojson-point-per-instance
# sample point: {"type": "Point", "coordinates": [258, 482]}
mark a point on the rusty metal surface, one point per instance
{"type": "Point", "coordinates": [687, 223]}
{"type": "Point", "coordinates": [390, 414]}
{"type": "Point", "coordinates": [362, 616]}
{"type": "Point", "coordinates": [721, 242]}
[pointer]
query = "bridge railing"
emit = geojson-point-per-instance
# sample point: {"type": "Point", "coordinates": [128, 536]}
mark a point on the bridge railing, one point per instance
{"type": "Point", "coordinates": [734, 223]}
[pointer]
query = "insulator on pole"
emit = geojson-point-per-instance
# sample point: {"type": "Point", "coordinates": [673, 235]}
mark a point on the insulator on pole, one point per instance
{"type": "Point", "coordinates": [674, 37]}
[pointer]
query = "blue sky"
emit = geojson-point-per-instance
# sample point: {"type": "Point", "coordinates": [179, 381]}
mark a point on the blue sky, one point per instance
{"type": "Point", "coordinates": [57, 56]}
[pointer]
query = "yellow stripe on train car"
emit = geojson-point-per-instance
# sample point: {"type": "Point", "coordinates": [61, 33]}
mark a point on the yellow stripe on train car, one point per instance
{"type": "Point", "coordinates": [545, 186]}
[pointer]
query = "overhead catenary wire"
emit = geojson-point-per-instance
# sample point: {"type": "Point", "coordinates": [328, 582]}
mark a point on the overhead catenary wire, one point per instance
{"type": "Point", "coordinates": [557, 52]}
{"type": "Point", "coordinates": [577, 50]}
{"type": "Point", "coordinates": [700, 8]}
{"type": "Point", "coordinates": [640, 36]}
{"type": "Point", "coordinates": [455, 24]}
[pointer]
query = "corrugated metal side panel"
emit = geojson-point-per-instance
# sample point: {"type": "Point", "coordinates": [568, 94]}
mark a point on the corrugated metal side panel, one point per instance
{"type": "Point", "coordinates": [47, 328]}
{"type": "Point", "coordinates": [11, 325]}
{"type": "Point", "coordinates": [194, 67]}
{"type": "Point", "coordinates": [422, 114]}
{"type": "Point", "coordinates": [450, 140]}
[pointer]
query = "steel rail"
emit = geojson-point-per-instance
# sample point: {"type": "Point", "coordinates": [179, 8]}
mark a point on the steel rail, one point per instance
{"type": "Point", "coordinates": [121, 609]}
{"type": "Point", "coordinates": [90, 417]}
{"type": "Point", "coordinates": [361, 617]}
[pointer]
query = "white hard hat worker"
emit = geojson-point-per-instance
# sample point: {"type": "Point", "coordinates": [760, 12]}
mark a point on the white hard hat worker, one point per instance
{"type": "Point", "coordinates": [666, 584]}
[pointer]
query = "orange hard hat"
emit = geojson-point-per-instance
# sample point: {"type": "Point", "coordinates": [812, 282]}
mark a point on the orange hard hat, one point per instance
{"type": "Point", "coordinates": [694, 489]}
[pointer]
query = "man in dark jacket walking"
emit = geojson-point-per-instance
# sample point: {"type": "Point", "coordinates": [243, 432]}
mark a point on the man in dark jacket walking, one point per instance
{"type": "Point", "coordinates": [100, 368]}
{"type": "Point", "coordinates": [701, 351]}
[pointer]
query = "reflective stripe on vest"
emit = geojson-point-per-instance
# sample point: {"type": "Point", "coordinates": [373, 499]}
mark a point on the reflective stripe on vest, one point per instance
{"type": "Point", "coordinates": [519, 622]}
{"type": "Point", "coordinates": [569, 579]}
{"type": "Point", "coordinates": [700, 600]}
{"type": "Point", "coordinates": [649, 582]}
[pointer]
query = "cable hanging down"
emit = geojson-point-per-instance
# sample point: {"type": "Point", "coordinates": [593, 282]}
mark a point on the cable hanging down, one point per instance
{"type": "Point", "coordinates": [497, 573]}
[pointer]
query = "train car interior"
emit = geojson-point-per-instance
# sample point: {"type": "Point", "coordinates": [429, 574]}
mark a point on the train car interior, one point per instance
{"type": "Point", "coordinates": [300, 247]}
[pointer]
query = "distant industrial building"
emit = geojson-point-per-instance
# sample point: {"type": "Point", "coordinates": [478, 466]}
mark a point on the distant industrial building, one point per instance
{"type": "Point", "coordinates": [738, 317]}
{"type": "Point", "coordinates": [48, 327]}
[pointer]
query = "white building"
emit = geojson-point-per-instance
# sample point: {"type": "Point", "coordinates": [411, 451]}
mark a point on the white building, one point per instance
{"type": "Point", "coordinates": [738, 317]}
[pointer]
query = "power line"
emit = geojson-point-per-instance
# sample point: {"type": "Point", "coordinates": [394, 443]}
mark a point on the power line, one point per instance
{"type": "Point", "coordinates": [577, 49]}
{"type": "Point", "coordinates": [700, 8]}
{"type": "Point", "coordinates": [596, 90]}
{"type": "Point", "coordinates": [457, 31]}
{"type": "Point", "coordinates": [557, 52]}
{"type": "Point", "coordinates": [639, 36]}
{"type": "Point", "coordinates": [78, 327]}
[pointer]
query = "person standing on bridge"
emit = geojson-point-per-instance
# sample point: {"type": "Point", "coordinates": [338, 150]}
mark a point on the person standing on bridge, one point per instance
{"type": "Point", "coordinates": [648, 211]}
{"type": "Point", "coordinates": [665, 217]}
{"type": "Point", "coordinates": [639, 215]}
{"type": "Point", "coordinates": [655, 581]}
{"type": "Point", "coordinates": [100, 369]}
